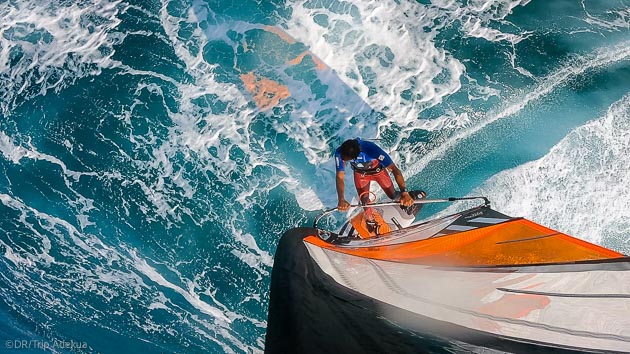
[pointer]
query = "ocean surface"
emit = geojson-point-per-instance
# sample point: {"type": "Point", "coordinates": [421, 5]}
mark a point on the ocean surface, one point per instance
{"type": "Point", "coordinates": [153, 152]}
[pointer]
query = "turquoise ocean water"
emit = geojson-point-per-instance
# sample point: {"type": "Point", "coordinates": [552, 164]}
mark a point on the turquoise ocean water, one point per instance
{"type": "Point", "coordinates": [153, 152]}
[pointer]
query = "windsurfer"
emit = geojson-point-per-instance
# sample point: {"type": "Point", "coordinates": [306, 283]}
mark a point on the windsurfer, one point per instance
{"type": "Point", "coordinates": [369, 163]}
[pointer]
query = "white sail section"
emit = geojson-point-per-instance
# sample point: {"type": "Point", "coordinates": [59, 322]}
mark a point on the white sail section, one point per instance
{"type": "Point", "coordinates": [580, 306]}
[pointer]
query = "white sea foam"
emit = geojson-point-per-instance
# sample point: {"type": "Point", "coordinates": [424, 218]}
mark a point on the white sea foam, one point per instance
{"type": "Point", "coordinates": [615, 20]}
{"type": "Point", "coordinates": [389, 40]}
{"type": "Point", "coordinates": [474, 28]}
{"type": "Point", "coordinates": [91, 266]}
{"type": "Point", "coordinates": [46, 48]}
{"type": "Point", "coordinates": [226, 131]}
{"type": "Point", "coordinates": [395, 40]}
{"type": "Point", "coordinates": [14, 257]}
{"type": "Point", "coordinates": [221, 131]}
{"type": "Point", "coordinates": [190, 296]}
{"type": "Point", "coordinates": [571, 69]}
{"type": "Point", "coordinates": [217, 331]}
{"type": "Point", "coordinates": [207, 139]}
{"type": "Point", "coordinates": [580, 187]}
{"type": "Point", "coordinates": [476, 17]}
{"type": "Point", "coordinates": [15, 153]}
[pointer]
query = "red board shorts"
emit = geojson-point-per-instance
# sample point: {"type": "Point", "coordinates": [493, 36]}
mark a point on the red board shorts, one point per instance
{"type": "Point", "coordinates": [362, 183]}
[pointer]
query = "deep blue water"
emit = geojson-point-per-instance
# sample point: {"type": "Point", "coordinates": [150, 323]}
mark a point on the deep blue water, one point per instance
{"type": "Point", "coordinates": [152, 152]}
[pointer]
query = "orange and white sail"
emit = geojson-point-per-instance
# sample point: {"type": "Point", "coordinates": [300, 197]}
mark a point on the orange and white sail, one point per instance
{"type": "Point", "coordinates": [478, 277]}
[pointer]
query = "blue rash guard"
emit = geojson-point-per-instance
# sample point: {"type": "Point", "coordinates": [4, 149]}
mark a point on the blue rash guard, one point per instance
{"type": "Point", "coordinates": [369, 158]}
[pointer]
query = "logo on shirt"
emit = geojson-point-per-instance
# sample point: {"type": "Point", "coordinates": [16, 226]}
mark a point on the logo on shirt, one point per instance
{"type": "Point", "coordinates": [381, 157]}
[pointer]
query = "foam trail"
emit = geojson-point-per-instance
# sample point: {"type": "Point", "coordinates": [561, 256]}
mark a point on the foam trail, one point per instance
{"type": "Point", "coordinates": [580, 187]}
{"type": "Point", "coordinates": [578, 66]}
